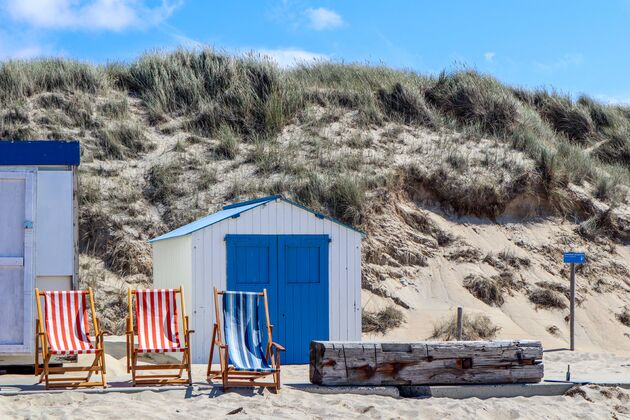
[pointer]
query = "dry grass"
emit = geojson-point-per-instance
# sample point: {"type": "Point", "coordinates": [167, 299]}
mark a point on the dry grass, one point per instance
{"type": "Point", "coordinates": [485, 289]}
{"type": "Point", "coordinates": [477, 327]}
{"type": "Point", "coordinates": [547, 299]}
{"type": "Point", "coordinates": [382, 321]}
{"type": "Point", "coordinates": [624, 317]}
{"type": "Point", "coordinates": [123, 140]}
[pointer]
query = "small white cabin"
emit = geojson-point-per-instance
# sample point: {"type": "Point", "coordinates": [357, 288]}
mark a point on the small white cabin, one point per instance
{"type": "Point", "coordinates": [309, 263]}
{"type": "Point", "coordinates": [38, 234]}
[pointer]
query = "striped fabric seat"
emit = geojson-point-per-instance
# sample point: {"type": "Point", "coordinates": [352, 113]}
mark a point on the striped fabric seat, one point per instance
{"type": "Point", "coordinates": [156, 316]}
{"type": "Point", "coordinates": [242, 332]}
{"type": "Point", "coordinates": [66, 319]}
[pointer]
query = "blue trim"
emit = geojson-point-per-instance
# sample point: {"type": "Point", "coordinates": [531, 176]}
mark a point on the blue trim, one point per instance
{"type": "Point", "coordinates": [257, 200]}
{"type": "Point", "coordinates": [234, 210]}
{"type": "Point", "coordinates": [40, 152]}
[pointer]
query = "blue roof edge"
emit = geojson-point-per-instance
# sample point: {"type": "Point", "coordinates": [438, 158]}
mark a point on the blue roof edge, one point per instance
{"type": "Point", "coordinates": [257, 200]}
{"type": "Point", "coordinates": [250, 204]}
{"type": "Point", "coordinates": [40, 152]}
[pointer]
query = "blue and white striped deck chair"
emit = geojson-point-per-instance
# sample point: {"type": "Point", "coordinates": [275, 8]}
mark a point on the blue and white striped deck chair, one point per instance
{"type": "Point", "coordinates": [242, 358]}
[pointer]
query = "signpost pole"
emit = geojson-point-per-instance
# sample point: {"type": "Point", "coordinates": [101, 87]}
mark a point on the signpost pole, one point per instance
{"type": "Point", "coordinates": [572, 315]}
{"type": "Point", "coordinates": [460, 319]}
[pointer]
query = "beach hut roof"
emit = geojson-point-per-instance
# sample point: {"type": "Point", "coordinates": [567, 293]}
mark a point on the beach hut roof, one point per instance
{"type": "Point", "coordinates": [234, 210]}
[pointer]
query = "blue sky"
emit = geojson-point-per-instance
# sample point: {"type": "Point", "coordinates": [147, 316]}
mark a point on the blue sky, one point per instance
{"type": "Point", "coordinates": [573, 46]}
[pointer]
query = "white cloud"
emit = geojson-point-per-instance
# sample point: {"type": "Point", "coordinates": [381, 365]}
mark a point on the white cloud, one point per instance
{"type": "Point", "coordinates": [489, 56]}
{"type": "Point", "coordinates": [321, 18]}
{"type": "Point", "coordinates": [614, 100]}
{"type": "Point", "coordinates": [114, 15]}
{"type": "Point", "coordinates": [289, 57]}
{"type": "Point", "coordinates": [563, 63]}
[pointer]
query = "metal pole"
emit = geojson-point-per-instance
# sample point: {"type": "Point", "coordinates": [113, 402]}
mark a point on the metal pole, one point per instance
{"type": "Point", "coordinates": [460, 316]}
{"type": "Point", "coordinates": [572, 315]}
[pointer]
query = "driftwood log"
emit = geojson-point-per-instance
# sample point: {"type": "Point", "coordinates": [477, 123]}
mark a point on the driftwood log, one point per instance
{"type": "Point", "coordinates": [425, 362]}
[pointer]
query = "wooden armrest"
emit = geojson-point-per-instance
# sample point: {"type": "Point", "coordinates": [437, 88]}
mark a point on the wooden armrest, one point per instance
{"type": "Point", "coordinates": [278, 346]}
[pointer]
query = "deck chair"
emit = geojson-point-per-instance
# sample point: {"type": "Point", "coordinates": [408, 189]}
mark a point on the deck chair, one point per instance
{"type": "Point", "coordinates": [157, 330]}
{"type": "Point", "coordinates": [242, 359]}
{"type": "Point", "coordinates": [64, 330]}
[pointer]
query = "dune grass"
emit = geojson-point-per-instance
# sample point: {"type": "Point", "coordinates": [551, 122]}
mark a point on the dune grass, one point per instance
{"type": "Point", "coordinates": [239, 100]}
{"type": "Point", "coordinates": [476, 327]}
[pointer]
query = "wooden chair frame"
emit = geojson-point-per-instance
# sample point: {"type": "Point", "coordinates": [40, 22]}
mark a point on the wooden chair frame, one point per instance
{"type": "Point", "coordinates": [41, 344]}
{"type": "Point", "coordinates": [132, 353]}
{"type": "Point", "coordinates": [232, 377]}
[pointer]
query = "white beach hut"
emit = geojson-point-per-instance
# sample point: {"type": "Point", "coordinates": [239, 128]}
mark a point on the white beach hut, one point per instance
{"type": "Point", "coordinates": [309, 263]}
{"type": "Point", "coordinates": [38, 235]}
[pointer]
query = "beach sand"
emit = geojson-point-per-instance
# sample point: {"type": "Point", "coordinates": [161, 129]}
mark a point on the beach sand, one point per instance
{"type": "Point", "coordinates": [587, 401]}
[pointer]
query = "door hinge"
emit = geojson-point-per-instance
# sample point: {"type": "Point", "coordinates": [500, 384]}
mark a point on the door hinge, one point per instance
{"type": "Point", "coordinates": [28, 224]}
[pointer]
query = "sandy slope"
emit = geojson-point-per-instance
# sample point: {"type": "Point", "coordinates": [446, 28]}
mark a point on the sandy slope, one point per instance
{"type": "Point", "coordinates": [434, 291]}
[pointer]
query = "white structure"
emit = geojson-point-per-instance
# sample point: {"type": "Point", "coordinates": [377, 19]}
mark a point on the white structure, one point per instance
{"type": "Point", "coordinates": [310, 265]}
{"type": "Point", "coordinates": [38, 234]}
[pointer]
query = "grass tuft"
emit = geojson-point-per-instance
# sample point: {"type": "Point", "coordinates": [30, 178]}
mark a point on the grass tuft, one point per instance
{"type": "Point", "coordinates": [547, 299]}
{"type": "Point", "coordinates": [123, 140]}
{"type": "Point", "coordinates": [382, 321]}
{"type": "Point", "coordinates": [477, 327]}
{"type": "Point", "coordinates": [485, 289]}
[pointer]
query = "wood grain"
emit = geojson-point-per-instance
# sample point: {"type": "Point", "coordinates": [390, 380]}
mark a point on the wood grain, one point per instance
{"type": "Point", "coordinates": [425, 362]}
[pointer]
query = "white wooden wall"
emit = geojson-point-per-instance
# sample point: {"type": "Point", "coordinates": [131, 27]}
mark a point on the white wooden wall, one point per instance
{"type": "Point", "coordinates": [50, 245]}
{"type": "Point", "coordinates": [172, 268]}
{"type": "Point", "coordinates": [275, 218]}
{"type": "Point", "coordinates": [54, 233]}
{"type": "Point", "coordinates": [17, 204]}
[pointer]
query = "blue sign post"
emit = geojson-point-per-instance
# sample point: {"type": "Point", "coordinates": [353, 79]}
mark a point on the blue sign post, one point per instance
{"type": "Point", "coordinates": [573, 258]}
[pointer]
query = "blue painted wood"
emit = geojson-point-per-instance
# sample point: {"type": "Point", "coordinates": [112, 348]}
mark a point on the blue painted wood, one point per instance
{"type": "Point", "coordinates": [294, 270]}
{"type": "Point", "coordinates": [252, 266]}
{"type": "Point", "coordinates": [303, 293]}
{"type": "Point", "coordinates": [42, 152]}
{"type": "Point", "coordinates": [574, 257]}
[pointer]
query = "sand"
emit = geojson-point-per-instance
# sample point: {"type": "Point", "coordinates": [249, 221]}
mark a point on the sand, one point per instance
{"type": "Point", "coordinates": [589, 402]}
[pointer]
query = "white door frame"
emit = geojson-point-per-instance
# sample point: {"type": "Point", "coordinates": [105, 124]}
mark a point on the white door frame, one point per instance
{"type": "Point", "coordinates": [29, 252]}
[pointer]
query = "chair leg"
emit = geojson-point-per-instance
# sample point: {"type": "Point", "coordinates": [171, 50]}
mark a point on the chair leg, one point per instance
{"type": "Point", "coordinates": [133, 367]}
{"type": "Point", "coordinates": [224, 371]}
{"type": "Point", "coordinates": [45, 373]}
{"type": "Point", "coordinates": [128, 356]}
{"type": "Point", "coordinates": [189, 367]}
{"type": "Point", "coordinates": [37, 369]}
{"type": "Point", "coordinates": [103, 369]}
{"type": "Point", "coordinates": [214, 334]}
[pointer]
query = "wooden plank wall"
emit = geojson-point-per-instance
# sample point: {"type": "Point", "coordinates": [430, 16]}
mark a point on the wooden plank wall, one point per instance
{"type": "Point", "coordinates": [276, 218]}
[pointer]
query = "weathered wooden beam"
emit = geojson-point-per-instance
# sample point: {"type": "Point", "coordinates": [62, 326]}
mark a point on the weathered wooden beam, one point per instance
{"type": "Point", "coordinates": [425, 362]}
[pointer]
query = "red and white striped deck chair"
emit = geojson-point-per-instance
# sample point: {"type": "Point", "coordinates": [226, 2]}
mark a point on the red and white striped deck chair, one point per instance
{"type": "Point", "coordinates": [157, 331]}
{"type": "Point", "coordinates": [64, 330]}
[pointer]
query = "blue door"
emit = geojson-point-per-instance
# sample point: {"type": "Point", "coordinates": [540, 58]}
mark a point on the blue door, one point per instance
{"type": "Point", "coordinates": [303, 293]}
{"type": "Point", "coordinates": [252, 266]}
{"type": "Point", "coordinates": [294, 270]}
